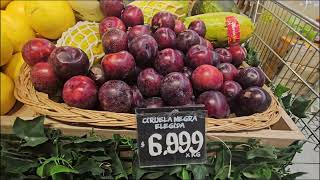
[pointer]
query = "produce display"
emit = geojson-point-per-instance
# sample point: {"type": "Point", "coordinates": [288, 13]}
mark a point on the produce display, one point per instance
{"type": "Point", "coordinates": [143, 54]}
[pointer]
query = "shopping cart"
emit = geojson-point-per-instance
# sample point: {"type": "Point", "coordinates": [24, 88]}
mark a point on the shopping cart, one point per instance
{"type": "Point", "coordinates": [288, 47]}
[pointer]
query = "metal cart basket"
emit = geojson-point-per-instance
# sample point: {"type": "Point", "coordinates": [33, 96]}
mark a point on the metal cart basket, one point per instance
{"type": "Point", "coordinates": [288, 46]}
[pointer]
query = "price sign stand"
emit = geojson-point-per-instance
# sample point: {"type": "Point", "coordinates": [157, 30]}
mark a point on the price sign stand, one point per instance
{"type": "Point", "coordinates": [171, 136]}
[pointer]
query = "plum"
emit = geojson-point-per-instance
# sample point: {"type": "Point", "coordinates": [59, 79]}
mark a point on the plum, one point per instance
{"type": "Point", "coordinates": [206, 43]}
{"type": "Point", "coordinates": [215, 103]}
{"type": "Point", "coordinates": [69, 61]}
{"type": "Point", "coordinates": [224, 55]}
{"type": "Point", "coordinates": [228, 70]}
{"type": "Point", "coordinates": [37, 50]}
{"type": "Point", "coordinates": [179, 26]}
{"type": "Point", "coordinates": [207, 77]}
{"type": "Point", "coordinates": [168, 61]}
{"type": "Point", "coordinates": [114, 40]}
{"type": "Point", "coordinates": [149, 82]}
{"type": "Point", "coordinates": [186, 40]}
{"type": "Point", "coordinates": [132, 16]}
{"type": "Point", "coordinates": [165, 37]}
{"type": "Point", "coordinates": [250, 76]}
{"type": "Point", "coordinates": [253, 100]}
{"type": "Point", "coordinates": [115, 96]}
{"type": "Point", "coordinates": [144, 49]}
{"type": "Point", "coordinates": [187, 72]}
{"type": "Point", "coordinates": [176, 89]}
{"type": "Point", "coordinates": [137, 98]}
{"type": "Point", "coordinates": [138, 30]}
{"type": "Point", "coordinates": [215, 58]}
{"type": "Point", "coordinates": [163, 19]}
{"type": "Point", "coordinates": [44, 78]}
{"type": "Point", "coordinates": [96, 73]}
{"type": "Point", "coordinates": [231, 90]}
{"type": "Point", "coordinates": [111, 22]}
{"type": "Point", "coordinates": [132, 77]}
{"type": "Point", "coordinates": [199, 27]}
{"type": "Point", "coordinates": [118, 65]}
{"type": "Point", "coordinates": [111, 7]}
{"type": "Point", "coordinates": [199, 55]}
{"type": "Point", "coordinates": [154, 102]}
{"type": "Point", "coordinates": [81, 92]}
{"type": "Point", "coordinates": [238, 53]}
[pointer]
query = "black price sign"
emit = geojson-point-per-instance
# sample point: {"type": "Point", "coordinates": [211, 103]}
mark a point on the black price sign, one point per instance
{"type": "Point", "coordinates": [171, 136]}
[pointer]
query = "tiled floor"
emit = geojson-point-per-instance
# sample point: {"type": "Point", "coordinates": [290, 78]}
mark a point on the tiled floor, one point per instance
{"type": "Point", "coordinates": [307, 161]}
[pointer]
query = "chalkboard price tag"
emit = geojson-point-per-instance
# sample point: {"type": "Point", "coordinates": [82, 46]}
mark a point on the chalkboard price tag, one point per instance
{"type": "Point", "coordinates": [171, 136]}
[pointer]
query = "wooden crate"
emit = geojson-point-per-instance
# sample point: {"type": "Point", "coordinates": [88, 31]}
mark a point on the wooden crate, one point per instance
{"type": "Point", "coordinates": [281, 134]}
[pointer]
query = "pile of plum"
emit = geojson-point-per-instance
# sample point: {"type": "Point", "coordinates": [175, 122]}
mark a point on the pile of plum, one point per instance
{"type": "Point", "coordinates": [163, 64]}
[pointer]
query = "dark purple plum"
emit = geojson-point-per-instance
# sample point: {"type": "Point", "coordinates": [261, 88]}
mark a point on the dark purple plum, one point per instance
{"type": "Point", "coordinates": [163, 19]}
{"type": "Point", "coordinates": [238, 53]}
{"type": "Point", "coordinates": [81, 92]}
{"type": "Point", "coordinates": [215, 103]}
{"type": "Point", "coordinates": [154, 102]}
{"type": "Point", "coordinates": [199, 55]}
{"type": "Point", "coordinates": [118, 65]}
{"type": "Point", "coordinates": [165, 37]}
{"type": "Point", "coordinates": [206, 43]}
{"type": "Point", "coordinates": [167, 61]}
{"type": "Point", "coordinates": [115, 96]}
{"type": "Point", "coordinates": [254, 100]}
{"type": "Point", "coordinates": [199, 27]}
{"type": "Point", "coordinates": [228, 70]}
{"type": "Point", "coordinates": [224, 54]}
{"type": "Point", "coordinates": [137, 98]}
{"type": "Point", "coordinates": [149, 82]}
{"type": "Point", "coordinates": [215, 59]}
{"type": "Point", "coordinates": [111, 22]}
{"type": "Point", "coordinates": [111, 7]}
{"type": "Point", "coordinates": [43, 78]}
{"type": "Point", "coordinates": [138, 30]}
{"type": "Point", "coordinates": [176, 89]}
{"type": "Point", "coordinates": [250, 76]}
{"type": "Point", "coordinates": [231, 90]}
{"type": "Point", "coordinates": [114, 40]}
{"type": "Point", "coordinates": [187, 72]}
{"type": "Point", "coordinates": [144, 49]}
{"type": "Point", "coordinates": [206, 77]}
{"type": "Point", "coordinates": [186, 40]}
{"type": "Point", "coordinates": [97, 75]}
{"type": "Point", "coordinates": [69, 61]}
{"type": "Point", "coordinates": [179, 26]}
{"type": "Point", "coordinates": [132, 16]}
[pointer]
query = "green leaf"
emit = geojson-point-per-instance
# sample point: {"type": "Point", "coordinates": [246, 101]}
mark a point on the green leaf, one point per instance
{"type": "Point", "coordinates": [153, 175]}
{"type": "Point", "coordinates": [222, 173]}
{"type": "Point", "coordinates": [185, 174]}
{"type": "Point", "coordinates": [199, 171]}
{"type": "Point", "coordinates": [32, 131]}
{"type": "Point", "coordinates": [299, 106]}
{"type": "Point", "coordinates": [267, 152]}
{"type": "Point", "coordinates": [175, 170]}
{"type": "Point", "coordinates": [57, 168]}
{"type": "Point", "coordinates": [101, 158]}
{"type": "Point", "coordinates": [261, 173]}
{"type": "Point", "coordinates": [286, 101]}
{"type": "Point", "coordinates": [88, 139]}
{"type": "Point", "coordinates": [16, 165]}
{"type": "Point", "coordinates": [117, 167]}
{"type": "Point", "coordinates": [88, 165]}
{"type": "Point", "coordinates": [280, 90]}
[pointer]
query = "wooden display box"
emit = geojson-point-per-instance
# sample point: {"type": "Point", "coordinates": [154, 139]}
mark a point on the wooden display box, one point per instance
{"type": "Point", "coordinates": [281, 134]}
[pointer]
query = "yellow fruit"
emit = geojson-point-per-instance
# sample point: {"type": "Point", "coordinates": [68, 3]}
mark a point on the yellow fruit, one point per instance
{"type": "Point", "coordinates": [7, 96]}
{"type": "Point", "coordinates": [6, 49]}
{"type": "Point", "coordinates": [12, 69]}
{"type": "Point", "coordinates": [50, 18]}
{"type": "Point", "coordinates": [17, 8]}
{"type": "Point", "coordinates": [18, 31]}
{"type": "Point", "coordinates": [4, 3]}
{"type": "Point", "coordinates": [84, 35]}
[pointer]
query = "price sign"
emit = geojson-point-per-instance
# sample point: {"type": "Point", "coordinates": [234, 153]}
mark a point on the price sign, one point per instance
{"type": "Point", "coordinates": [171, 136]}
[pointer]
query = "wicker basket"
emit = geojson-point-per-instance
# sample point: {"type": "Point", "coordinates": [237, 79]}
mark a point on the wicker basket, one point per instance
{"type": "Point", "coordinates": [41, 104]}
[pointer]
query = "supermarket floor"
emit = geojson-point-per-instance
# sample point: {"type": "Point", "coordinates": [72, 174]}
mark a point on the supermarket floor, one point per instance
{"type": "Point", "coordinates": [307, 161]}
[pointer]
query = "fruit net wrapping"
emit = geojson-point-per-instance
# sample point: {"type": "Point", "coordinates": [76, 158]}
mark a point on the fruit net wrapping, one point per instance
{"type": "Point", "coordinates": [84, 35]}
